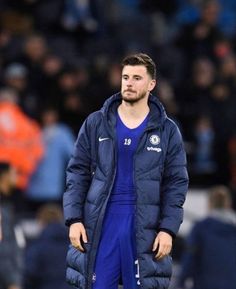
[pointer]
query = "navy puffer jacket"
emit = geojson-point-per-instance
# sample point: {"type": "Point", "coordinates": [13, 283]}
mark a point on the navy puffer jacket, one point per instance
{"type": "Point", "coordinates": [161, 182]}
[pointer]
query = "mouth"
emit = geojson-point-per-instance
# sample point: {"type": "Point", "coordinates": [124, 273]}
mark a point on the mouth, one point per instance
{"type": "Point", "coordinates": [130, 91]}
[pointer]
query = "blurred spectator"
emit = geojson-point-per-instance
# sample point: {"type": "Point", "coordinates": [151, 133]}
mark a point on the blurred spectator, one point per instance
{"type": "Point", "coordinates": [52, 67]}
{"type": "Point", "coordinates": [10, 252]}
{"type": "Point", "coordinates": [16, 77]}
{"type": "Point", "coordinates": [73, 108]}
{"type": "Point", "coordinates": [193, 96]}
{"type": "Point", "coordinates": [198, 39]}
{"type": "Point", "coordinates": [73, 94]}
{"type": "Point", "coordinates": [107, 79]}
{"type": "Point", "coordinates": [125, 19]}
{"type": "Point", "coordinates": [78, 14]}
{"type": "Point", "coordinates": [41, 13]}
{"type": "Point", "coordinates": [204, 164]}
{"type": "Point", "coordinates": [47, 182]}
{"type": "Point", "coordinates": [20, 138]}
{"type": "Point", "coordinates": [167, 97]}
{"type": "Point", "coordinates": [35, 49]}
{"type": "Point", "coordinates": [209, 260]}
{"type": "Point", "coordinates": [9, 45]}
{"type": "Point", "coordinates": [189, 12]}
{"type": "Point", "coordinates": [172, 64]}
{"type": "Point", "coordinates": [15, 21]}
{"type": "Point", "coordinates": [113, 75]}
{"type": "Point", "coordinates": [221, 103]}
{"type": "Point", "coordinates": [227, 71]}
{"type": "Point", "coordinates": [222, 48]}
{"type": "Point", "coordinates": [67, 81]}
{"type": "Point", "coordinates": [45, 258]}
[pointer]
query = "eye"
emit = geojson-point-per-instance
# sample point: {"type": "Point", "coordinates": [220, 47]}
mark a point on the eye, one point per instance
{"type": "Point", "coordinates": [125, 77]}
{"type": "Point", "coordinates": [137, 78]}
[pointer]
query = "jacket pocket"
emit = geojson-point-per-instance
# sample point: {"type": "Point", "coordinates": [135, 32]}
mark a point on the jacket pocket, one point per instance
{"type": "Point", "coordinates": [78, 260]}
{"type": "Point", "coordinates": [163, 267]}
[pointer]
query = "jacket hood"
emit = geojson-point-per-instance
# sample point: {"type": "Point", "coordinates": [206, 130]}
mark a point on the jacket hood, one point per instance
{"type": "Point", "coordinates": [157, 112]}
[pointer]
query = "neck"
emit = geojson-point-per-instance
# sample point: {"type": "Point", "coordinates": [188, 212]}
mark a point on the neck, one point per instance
{"type": "Point", "coordinates": [133, 114]}
{"type": "Point", "coordinates": [136, 110]}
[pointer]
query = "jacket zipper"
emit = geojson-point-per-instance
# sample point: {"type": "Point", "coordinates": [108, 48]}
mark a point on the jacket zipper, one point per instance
{"type": "Point", "coordinates": [99, 223]}
{"type": "Point", "coordinates": [101, 216]}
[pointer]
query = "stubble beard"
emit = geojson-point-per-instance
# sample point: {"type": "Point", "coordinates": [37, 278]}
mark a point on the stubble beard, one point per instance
{"type": "Point", "coordinates": [134, 100]}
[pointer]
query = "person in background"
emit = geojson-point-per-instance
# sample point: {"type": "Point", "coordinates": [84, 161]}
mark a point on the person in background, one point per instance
{"type": "Point", "coordinates": [192, 99]}
{"type": "Point", "coordinates": [45, 256]}
{"type": "Point", "coordinates": [10, 252]}
{"type": "Point", "coordinates": [52, 66]}
{"type": "Point", "coordinates": [47, 182]}
{"type": "Point", "coordinates": [209, 259]}
{"type": "Point", "coordinates": [204, 164]}
{"type": "Point", "coordinates": [20, 138]}
{"type": "Point", "coordinates": [31, 54]}
{"type": "Point", "coordinates": [16, 76]}
{"type": "Point", "coordinates": [197, 39]}
{"type": "Point", "coordinates": [78, 15]}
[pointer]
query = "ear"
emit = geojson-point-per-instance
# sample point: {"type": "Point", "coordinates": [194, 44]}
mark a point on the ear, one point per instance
{"type": "Point", "coordinates": [152, 84]}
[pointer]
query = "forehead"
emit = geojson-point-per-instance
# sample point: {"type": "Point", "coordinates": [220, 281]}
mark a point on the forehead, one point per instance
{"type": "Point", "coordinates": [134, 70]}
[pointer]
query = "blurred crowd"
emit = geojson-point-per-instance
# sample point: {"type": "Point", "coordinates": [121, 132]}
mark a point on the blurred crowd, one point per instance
{"type": "Point", "coordinates": [60, 59]}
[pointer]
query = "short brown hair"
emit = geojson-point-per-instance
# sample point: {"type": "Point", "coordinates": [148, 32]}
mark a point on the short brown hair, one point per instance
{"type": "Point", "coordinates": [219, 197]}
{"type": "Point", "coordinates": [141, 59]}
{"type": "Point", "coordinates": [50, 213]}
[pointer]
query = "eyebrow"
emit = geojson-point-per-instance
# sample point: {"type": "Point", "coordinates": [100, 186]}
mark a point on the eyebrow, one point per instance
{"type": "Point", "coordinates": [135, 75]}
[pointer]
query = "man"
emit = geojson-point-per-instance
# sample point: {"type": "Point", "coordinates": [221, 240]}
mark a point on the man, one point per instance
{"type": "Point", "coordinates": [126, 185]}
{"type": "Point", "coordinates": [10, 253]}
{"type": "Point", "coordinates": [47, 183]}
{"type": "Point", "coordinates": [20, 138]}
{"type": "Point", "coordinates": [209, 259]}
{"type": "Point", "coordinates": [47, 251]}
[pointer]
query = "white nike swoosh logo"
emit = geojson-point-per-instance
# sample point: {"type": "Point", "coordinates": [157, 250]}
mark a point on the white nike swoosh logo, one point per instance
{"type": "Point", "coordinates": [102, 139]}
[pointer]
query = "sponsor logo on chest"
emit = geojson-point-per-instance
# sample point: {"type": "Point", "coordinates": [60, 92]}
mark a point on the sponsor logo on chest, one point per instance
{"type": "Point", "coordinates": [154, 140]}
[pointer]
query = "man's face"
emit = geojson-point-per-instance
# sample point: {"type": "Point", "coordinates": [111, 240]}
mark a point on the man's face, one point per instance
{"type": "Point", "coordinates": [136, 83]}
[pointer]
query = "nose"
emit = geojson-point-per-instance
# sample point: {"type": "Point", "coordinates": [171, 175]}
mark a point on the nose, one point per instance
{"type": "Point", "coordinates": [129, 83]}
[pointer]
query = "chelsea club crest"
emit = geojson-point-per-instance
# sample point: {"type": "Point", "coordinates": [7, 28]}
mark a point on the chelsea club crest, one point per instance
{"type": "Point", "coordinates": [154, 139]}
